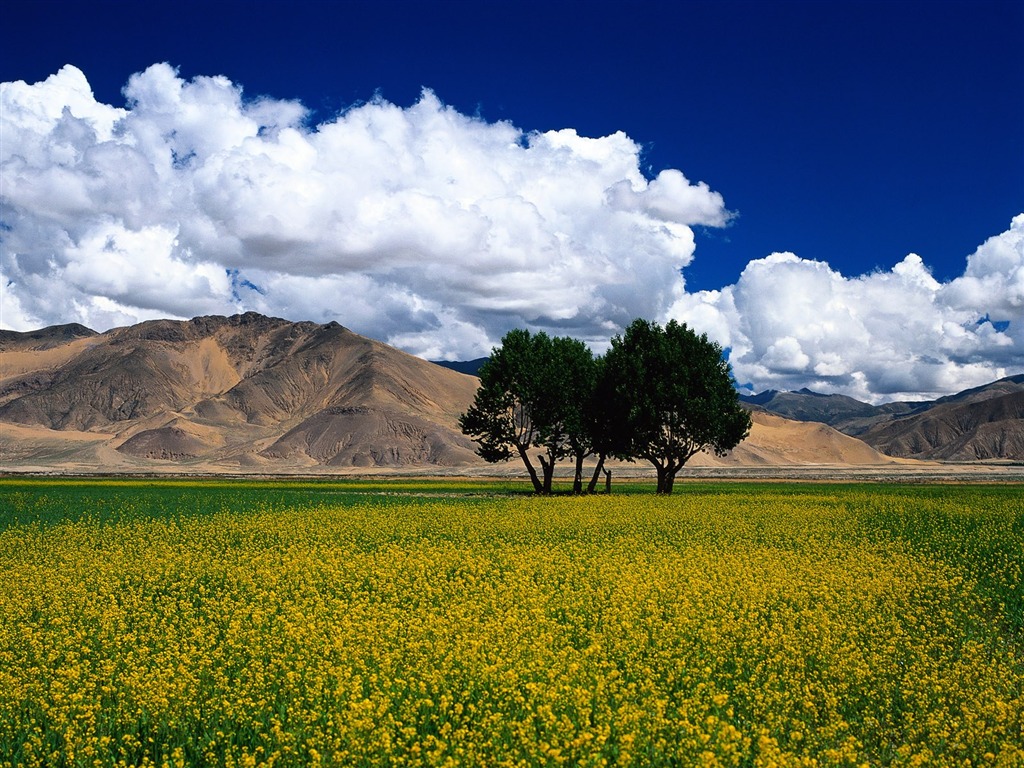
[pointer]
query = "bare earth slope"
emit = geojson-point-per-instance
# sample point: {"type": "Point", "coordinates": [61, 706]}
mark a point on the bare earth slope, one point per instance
{"type": "Point", "coordinates": [980, 424]}
{"type": "Point", "coordinates": [957, 430]}
{"type": "Point", "coordinates": [244, 391]}
{"type": "Point", "coordinates": [775, 441]}
{"type": "Point", "coordinates": [256, 394]}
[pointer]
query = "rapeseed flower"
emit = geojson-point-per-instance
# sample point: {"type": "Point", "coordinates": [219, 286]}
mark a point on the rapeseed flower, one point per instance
{"type": "Point", "coordinates": [822, 628]}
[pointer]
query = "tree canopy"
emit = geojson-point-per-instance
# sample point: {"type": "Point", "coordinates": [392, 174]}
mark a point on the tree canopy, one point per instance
{"type": "Point", "coordinates": [529, 397]}
{"type": "Point", "coordinates": [659, 394]}
{"type": "Point", "coordinates": [673, 395]}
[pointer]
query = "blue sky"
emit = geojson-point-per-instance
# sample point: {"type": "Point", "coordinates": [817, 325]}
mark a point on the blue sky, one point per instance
{"type": "Point", "coordinates": [847, 134]}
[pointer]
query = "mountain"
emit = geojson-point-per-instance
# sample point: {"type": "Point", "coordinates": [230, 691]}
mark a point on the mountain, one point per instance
{"type": "Point", "coordinates": [47, 338]}
{"type": "Point", "coordinates": [979, 424]}
{"type": "Point", "coordinates": [243, 391]}
{"type": "Point", "coordinates": [472, 367]}
{"type": "Point", "coordinates": [844, 413]}
{"type": "Point", "coordinates": [777, 441]}
{"type": "Point", "coordinates": [250, 393]}
{"type": "Point", "coordinates": [982, 423]}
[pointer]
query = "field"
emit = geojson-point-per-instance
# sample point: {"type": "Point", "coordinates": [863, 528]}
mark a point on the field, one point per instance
{"type": "Point", "coordinates": [436, 623]}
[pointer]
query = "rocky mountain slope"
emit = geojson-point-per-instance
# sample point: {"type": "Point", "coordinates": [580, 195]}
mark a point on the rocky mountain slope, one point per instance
{"type": "Point", "coordinates": [847, 414]}
{"type": "Point", "coordinates": [255, 394]}
{"type": "Point", "coordinates": [978, 424]}
{"type": "Point", "coordinates": [244, 391]}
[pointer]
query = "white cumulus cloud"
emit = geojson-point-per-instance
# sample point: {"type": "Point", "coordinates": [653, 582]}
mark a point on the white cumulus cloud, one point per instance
{"type": "Point", "coordinates": [437, 232]}
{"type": "Point", "coordinates": [791, 322]}
{"type": "Point", "coordinates": [420, 226]}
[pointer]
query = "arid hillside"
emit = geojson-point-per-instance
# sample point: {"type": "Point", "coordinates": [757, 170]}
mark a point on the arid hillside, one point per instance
{"type": "Point", "coordinates": [256, 394]}
{"type": "Point", "coordinates": [228, 393]}
{"type": "Point", "coordinates": [980, 424]}
{"type": "Point", "coordinates": [775, 441]}
{"type": "Point", "coordinates": [964, 429]}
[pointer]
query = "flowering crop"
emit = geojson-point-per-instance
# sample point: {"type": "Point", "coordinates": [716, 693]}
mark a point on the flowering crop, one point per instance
{"type": "Point", "coordinates": [726, 625]}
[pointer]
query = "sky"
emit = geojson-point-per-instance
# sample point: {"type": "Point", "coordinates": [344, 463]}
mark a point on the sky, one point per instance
{"type": "Point", "coordinates": [832, 191]}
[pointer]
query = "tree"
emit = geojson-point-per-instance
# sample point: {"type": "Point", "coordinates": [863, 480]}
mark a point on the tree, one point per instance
{"type": "Point", "coordinates": [573, 376]}
{"type": "Point", "coordinates": [671, 395]}
{"type": "Point", "coordinates": [533, 393]}
{"type": "Point", "coordinates": [599, 420]}
{"type": "Point", "coordinates": [501, 417]}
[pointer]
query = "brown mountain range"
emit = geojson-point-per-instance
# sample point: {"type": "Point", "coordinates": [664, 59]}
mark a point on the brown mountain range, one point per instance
{"type": "Point", "coordinates": [980, 424]}
{"type": "Point", "coordinates": [976, 425]}
{"type": "Point", "coordinates": [255, 394]}
{"type": "Point", "coordinates": [244, 391]}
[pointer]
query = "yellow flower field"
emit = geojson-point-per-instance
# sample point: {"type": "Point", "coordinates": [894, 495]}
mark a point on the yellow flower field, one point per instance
{"type": "Point", "coordinates": [726, 625]}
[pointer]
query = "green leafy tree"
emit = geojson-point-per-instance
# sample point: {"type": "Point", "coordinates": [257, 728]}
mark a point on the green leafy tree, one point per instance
{"type": "Point", "coordinates": [533, 393]}
{"type": "Point", "coordinates": [601, 428]}
{"type": "Point", "coordinates": [670, 394]}
{"type": "Point", "coordinates": [573, 376]}
{"type": "Point", "coordinates": [502, 417]}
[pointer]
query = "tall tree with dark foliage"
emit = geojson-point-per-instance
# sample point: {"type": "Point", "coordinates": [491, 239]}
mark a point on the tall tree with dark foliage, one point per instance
{"type": "Point", "coordinates": [671, 395]}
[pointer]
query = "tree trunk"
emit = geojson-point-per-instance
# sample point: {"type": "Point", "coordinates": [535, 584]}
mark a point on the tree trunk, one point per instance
{"type": "Point", "coordinates": [597, 473]}
{"type": "Point", "coordinates": [665, 477]}
{"type": "Point", "coordinates": [548, 466]}
{"type": "Point", "coordinates": [661, 477]}
{"type": "Point", "coordinates": [537, 486]}
{"type": "Point", "coordinates": [671, 468]}
{"type": "Point", "coordinates": [577, 478]}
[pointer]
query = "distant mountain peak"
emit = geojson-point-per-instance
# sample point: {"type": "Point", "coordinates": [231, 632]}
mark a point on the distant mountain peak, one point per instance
{"type": "Point", "coordinates": [978, 423]}
{"type": "Point", "coordinates": [470, 367]}
{"type": "Point", "coordinates": [228, 389]}
{"type": "Point", "coordinates": [51, 334]}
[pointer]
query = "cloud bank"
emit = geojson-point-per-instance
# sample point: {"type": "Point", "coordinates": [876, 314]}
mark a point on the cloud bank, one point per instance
{"type": "Point", "coordinates": [421, 226]}
{"type": "Point", "coordinates": [437, 232]}
{"type": "Point", "coordinates": [791, 323]}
